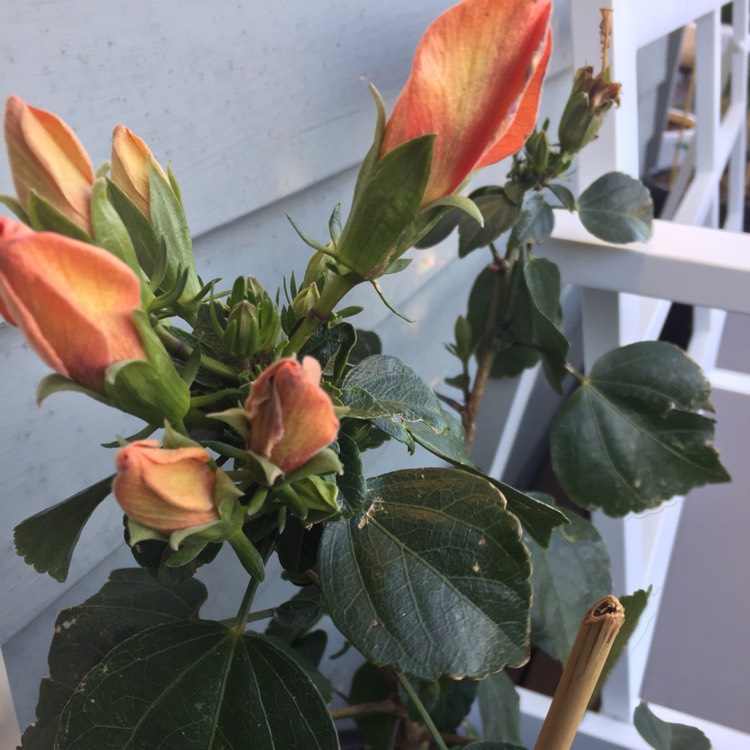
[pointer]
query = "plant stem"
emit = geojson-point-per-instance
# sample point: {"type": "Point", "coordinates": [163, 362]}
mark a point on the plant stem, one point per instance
{"type": "Point", "coordinates": [358, 710]}
{"type": "Point", "coordinates": [485, 355]}
{"type": "Point", "coordinates": [180, 350]}
{"type": "Point", "coordinates": [333, 292]}
{"type": "Point", "coordinates": [593, 642]}
{"type": "Point", "coordinates": [241, 619]}
{"type": "Point", "coordinates": [426, 718]}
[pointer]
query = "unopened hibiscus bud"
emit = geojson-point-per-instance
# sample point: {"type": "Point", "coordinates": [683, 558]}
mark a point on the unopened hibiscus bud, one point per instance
{"type": "Point", "coordinates": [46, 158]}
{"type": "Point", "coordinates": [73, 302]}
{"type": "Point", "coordinates": [130, 160]}
{"type": "Point", "coordinates": [165, 490]}
{"type": "Point", "coordinates": [291, 417]}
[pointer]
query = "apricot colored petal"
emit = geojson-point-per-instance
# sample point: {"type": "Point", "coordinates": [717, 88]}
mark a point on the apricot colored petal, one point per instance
{"type": "Point", "coordinates": [130, 173]}
{"type": "Point", "coordinates": [470, 72]}
{"type": "Point", "coordinates": [525, 119]}
{"type": "Point", "coordinates": [46, 156]}
{"type": "Point", "coordinates": [73, 302]}
{"type": "Point", "coordinates": [309, 422]}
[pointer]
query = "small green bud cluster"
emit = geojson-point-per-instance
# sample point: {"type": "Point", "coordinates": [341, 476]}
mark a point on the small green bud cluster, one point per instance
{"type": "Point", "coordinates": [252, 323]}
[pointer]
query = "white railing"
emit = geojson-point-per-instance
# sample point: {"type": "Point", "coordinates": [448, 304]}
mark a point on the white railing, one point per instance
{"type": "Point", "coordinates": [626, 293]}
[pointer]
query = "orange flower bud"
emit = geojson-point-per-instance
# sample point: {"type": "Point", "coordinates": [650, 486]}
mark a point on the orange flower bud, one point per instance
{"type": "Point", "coordinates": [475, 83]}
{"type": "Point", "coordinates": [46, 156]}
{"type": "Point", "coordinates": [165, 490]}
{"type": "Point", "coordinates": [130, 167]}
{"type": "Point", "coordinates": [291, 416]}
{"type": "Point", "coordinates": [73, 302]}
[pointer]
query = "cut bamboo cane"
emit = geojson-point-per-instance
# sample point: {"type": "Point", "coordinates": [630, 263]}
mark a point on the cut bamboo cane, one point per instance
{"type": "Point", "coordinates": [590, 650]}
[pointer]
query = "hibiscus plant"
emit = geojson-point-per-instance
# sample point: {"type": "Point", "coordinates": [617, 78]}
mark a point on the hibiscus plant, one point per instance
{"type": "Point", "coordinates": [258, 405]}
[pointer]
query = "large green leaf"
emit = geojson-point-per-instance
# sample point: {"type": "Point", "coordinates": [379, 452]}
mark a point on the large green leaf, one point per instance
{"type": "Point", "coordinates": [617, 208]}
{"type": "Point", "coordinates": [197, 685]}
{"type": "Point", "coordinates": [567, 578]}
{"type": "Point", "coordinates": [499, 707]}
{"type": "Point", "coordinates": [666, 736]}
{"type": "Point", "coordinates": [128, 603]}
{"type": "Point", "coordinates": [352, 485]}
{"type": "Point", "coordinates": [387, 386]}
{"type": "Point", "coordinates": [47, 539]}
{"type": "Point", "coordinates": [629, 437]}
{"type": "Point", "coordinates": [433, 579]}
{"type": "Point", "coordinates": [537, 518]}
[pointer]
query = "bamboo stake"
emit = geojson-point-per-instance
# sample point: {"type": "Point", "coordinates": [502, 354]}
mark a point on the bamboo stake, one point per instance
{"type": "Point", "coordinates": [590, 650]}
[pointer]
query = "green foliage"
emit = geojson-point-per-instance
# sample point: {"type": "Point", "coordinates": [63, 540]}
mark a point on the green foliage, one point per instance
{"type": "Point", "coordinates": [499, 213]}
{"type": "Point", "coordinates": [499, 707]}
{"type": "Point", "coordinates": [229, 690]}
{"type": "Point", "coordinates": [617, 208]}
{"type": "Point", "coordinates": [663, 735]}
{"type": "Point", "coordinates": [433, 541]}
{"type": "Point", "coordinates": [630, 436]}
{"type": "Point", "coordinates": [567, 577]}
{"type": "Point", "coordinates": [534, 225]}
{"type": "Point", "coordinates": [384, 208]}
{"type": "Point", "coordinates": [47, 539]}
{"type": "Point", "coordinates": [128, 603]}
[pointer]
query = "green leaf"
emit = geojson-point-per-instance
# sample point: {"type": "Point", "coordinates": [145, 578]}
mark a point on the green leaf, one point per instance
{"type": "Point", "coordinates": [202, 684]}
{"type": "Point", "coordinates": [633, 606]}
{"type": "Point", "coordinates": [564, 195]}
{"type": "Point", "coordinates": [128, 603]}
{"type": "Point", "coordinates": [537, 518]}
{"type": "Point", "coordinates": [47, 540]}
{"type": "Point", "coordinates": [567, 577]}
{"type": "Point", "coordinates": [397, 391]}
{"type": "Point", "coordinates": [628, 438]}
{"type": "Point", "coordinates": [535, 223]}
{"type": "Point", "coordinates": [169, 222]}
{"type": "Point", "coordinates": [663, 735]}
{"type": "Point", "coordinates": [499, 707]}
{"type": "Point", "coordinates": [369, 686]}
{"type": "Point", "coordinates": [441, 230]}
{"type": "Point", "coordinates": [386, 204]}
{"type": "Point", "coordinates": [298, 613]}
{"type": "Point", "coordinates": [542, 279]}
{"type": "Point", "coordinates": [499, 214]}
{"type": "Point", "coordinates": [352, 485]}
{"type": "Point", "coordinates": [297, 546]}
{"type": "Point", "coordinates": [435, 557]}
{"type": "Point", "coordinates": [447, 701]}
{"type": "Point", "coordinates": [617, 208]}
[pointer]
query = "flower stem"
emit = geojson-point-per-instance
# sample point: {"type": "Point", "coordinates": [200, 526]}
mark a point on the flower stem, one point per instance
{"type": "Point", "coordinates": [426, 718]}
{"type": "Point", "coordinates": [255, 558]}
{"type": "Point", "coordinates": [333, 292]}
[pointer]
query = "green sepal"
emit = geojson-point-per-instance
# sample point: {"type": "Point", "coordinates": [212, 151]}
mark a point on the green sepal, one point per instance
{"type": "Point", "coordinates": [236, 418]}
{"type": "Point", "coordinates": [386, 203]}
{"type": "Point", "coordinates": [371, 157]}
{"type": "Point", "coordinates": [109, 231]}
{"type": "Point", "coordinates": [325, 461]}
{"type": "Point", "coordinates": [10, 202]}
{"type": "Point", "coordinates": [152, 390]}
{"type": "Point", "coordinates": [139, 533]}
{"type": "Point", "coordinates": [44, 217]}
{"type": "Point", "coordinates": [56, 383]}
{"type": "Point", "coordinates": [168, 220]}
{"type": "Point", "coordinates": [462, 203]}
{"type": "Point", "coordinates": [320, 498]}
